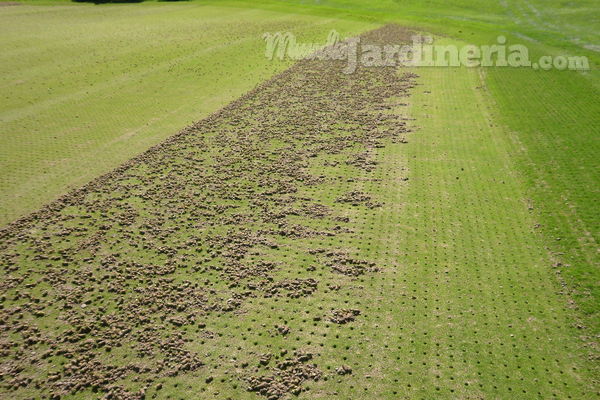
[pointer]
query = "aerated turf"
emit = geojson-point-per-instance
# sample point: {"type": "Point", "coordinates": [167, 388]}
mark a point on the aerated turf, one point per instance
{"type": "Point", "coordinates": [325, 236]}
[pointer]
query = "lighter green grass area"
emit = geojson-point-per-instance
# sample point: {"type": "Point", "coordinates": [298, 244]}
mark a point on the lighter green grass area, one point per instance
{"type": "Point", "coordinates": [477, 256]}
{"type": "Point", "coordinates": [85, 88]}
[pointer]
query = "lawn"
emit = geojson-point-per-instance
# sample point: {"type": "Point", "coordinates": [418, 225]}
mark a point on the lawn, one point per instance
{"type": "Point", "coordinates": [376, 236]}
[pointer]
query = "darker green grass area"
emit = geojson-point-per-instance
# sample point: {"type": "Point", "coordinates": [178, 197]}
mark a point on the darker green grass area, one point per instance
{"type": "Point", "coordinates": [554, 122]}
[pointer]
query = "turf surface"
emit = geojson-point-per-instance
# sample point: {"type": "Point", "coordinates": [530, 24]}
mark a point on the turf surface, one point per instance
{"type": "Point", "coordinates": [488, 269]}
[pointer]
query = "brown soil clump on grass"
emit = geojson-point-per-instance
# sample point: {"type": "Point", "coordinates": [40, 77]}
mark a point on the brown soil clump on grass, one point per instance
{"type": "Point", "coordinates": [286, 377]}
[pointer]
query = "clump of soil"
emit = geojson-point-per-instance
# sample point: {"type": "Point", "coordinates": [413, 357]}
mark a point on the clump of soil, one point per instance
{"type": "Point", "coordinates": [286, 377]}
{"type": "Point", "coordinates": [283, 329]}
{"type": "Point", "coordinates": [363, 161]}
{"type": "Point", "coordinates": [340, 262]}
{"type": "Point", "coordinates": [357, 198]}
{"type": "Point", "coordinates": [293, 288]}
{"type": "Point", "coordinates": [343, 370]}
{"type": "Point", "coordinates": [343, 316]}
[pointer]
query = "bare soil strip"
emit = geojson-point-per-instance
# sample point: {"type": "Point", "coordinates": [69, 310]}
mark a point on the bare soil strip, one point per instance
{"type": "Point", "coordinates": [139, 261]}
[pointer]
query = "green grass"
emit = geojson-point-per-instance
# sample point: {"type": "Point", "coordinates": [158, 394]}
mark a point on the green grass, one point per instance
{"type": "Point", "coordinates": [499, 210]}
{"type": "Point", "coordinates": [486, 268]}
